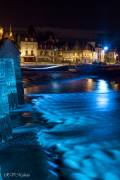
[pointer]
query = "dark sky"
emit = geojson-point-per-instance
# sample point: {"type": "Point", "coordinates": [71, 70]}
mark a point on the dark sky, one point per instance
{"type": "Point", "coordinates": [59, 13]}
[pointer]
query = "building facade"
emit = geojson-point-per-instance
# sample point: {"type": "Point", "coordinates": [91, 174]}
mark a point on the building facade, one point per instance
{"type": "Point", "coordinates": [54, 50]}
{"type": "Point", "coordinates": [33, 52]}
{"type": "Point", "coordinates": [29, 50]}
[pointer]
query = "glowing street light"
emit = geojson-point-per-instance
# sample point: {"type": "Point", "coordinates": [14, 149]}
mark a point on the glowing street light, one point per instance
{"type": "Point", "coordinates": [106, 48]}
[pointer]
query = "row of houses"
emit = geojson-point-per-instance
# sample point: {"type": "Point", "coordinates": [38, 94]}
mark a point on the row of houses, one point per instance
{"type": "Point", "coordinates": [32, 51]}
{"type": "Point", "coordinates": [53, 50]}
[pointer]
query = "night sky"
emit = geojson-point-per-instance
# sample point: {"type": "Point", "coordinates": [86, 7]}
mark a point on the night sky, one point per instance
{"type": "Point", "coordinates": [69, 14]}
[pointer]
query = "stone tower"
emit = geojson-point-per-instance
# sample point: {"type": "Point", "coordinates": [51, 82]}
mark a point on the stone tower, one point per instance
{"type": "Point", "coordinates": [9, 52]}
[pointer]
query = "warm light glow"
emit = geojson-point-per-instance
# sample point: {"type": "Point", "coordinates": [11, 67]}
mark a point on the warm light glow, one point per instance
{"type": "Point", "coordinates": [1, 32]}
{"type": "Point", "coordinates": [11, 34]}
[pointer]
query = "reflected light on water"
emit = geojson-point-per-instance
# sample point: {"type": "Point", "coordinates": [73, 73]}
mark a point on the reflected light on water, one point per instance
{"type": "Point", "coordinates": [55, 75]}
{"type": "Point", "coordinates": [55, 85]}
{"type": "Point", "coordinates": [102, 101]}
{"type": "Point", "coordinates": [34, 89]}
{"type": "Point", "coordinates": [115, 86]}
{"type": "Point", "coordinates": [102, 86]}
{"type": "Point", "coordinates": [90, 85]}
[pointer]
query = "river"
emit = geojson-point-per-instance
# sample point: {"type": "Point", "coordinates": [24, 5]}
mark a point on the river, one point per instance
{"type": "Point", "coordinates": [69, 128]}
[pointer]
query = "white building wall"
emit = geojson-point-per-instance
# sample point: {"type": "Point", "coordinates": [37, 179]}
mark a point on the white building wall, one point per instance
{"type": "Point", "coordinates": [28, 48]}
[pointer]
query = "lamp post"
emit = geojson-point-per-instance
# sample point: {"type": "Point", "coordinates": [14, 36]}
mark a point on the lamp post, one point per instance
{"type": "Point", "coordinates": [106, 48]}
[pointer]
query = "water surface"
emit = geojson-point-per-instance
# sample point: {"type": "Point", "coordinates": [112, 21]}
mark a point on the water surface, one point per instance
{"type": "Point", "coordinates": [84, 112]}
{"type": "Point", "coordinates": [68, 129]}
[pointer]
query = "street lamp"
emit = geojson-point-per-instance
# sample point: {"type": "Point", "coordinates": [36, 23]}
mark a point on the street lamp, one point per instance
{"type": "Point", "coordinates": [106, 48]}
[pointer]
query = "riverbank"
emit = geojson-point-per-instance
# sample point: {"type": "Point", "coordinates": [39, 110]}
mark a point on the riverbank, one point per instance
{"type": "Point", "coordinates": [88, 69]}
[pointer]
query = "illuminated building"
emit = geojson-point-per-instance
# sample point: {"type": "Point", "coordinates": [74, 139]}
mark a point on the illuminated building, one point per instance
{"type": "Point", "coordinates": [50, 51]}
{"type": "Point", "coordinates": [29, 50]}
{"type": "Point", "coordinates": [32, 52]}
{"type": "Point", "coordinates": [100, 54]}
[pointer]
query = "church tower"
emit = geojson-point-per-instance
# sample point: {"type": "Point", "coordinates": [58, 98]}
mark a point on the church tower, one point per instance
{"type": "Point", "coordinates": [11, 33]}
{"type": "Point", "coordinates": [1, 32]}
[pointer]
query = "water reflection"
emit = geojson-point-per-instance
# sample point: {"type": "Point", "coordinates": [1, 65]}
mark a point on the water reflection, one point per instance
{"type": "Point", "coordinates": [102, 101]}
{"type": "Point", "coordinates": [90, 85]}
{"type": "Point", "coordinates": [82, 114]}
{"type": "Point", "coordinates": [115, 85]}
{"type": "Point", "coordinates": [61, 86]}
{"type": "Point", "coordinates": [102, 86]}
{"type": "Point", "coordinates": [86, 115]}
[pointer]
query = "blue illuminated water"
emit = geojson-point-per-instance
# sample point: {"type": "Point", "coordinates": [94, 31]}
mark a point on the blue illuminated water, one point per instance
{"type": "Point", "coordinates": [85, 119]}
{"type": "Point", "coordinates": [68, 129]}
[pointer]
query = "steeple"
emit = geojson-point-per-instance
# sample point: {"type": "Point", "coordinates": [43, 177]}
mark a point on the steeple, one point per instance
{"type": "Point", "coordinates": [11, 33]}
{"type": "Point", "coordinates": [1, 32]}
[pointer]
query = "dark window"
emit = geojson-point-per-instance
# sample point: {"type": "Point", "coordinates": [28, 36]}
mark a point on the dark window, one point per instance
{"type": "Point", "coordinates": [32, 53]}
{"type": "Point", "coordinates": [26, 52]}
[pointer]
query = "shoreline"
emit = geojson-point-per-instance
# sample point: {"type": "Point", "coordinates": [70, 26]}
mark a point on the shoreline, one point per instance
{"type": "Point", "coordinates": [88, 69]}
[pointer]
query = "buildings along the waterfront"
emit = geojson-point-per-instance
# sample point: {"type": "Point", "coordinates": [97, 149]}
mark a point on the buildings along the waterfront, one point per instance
{"type": "Point", "coordinates": [59, 50]}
